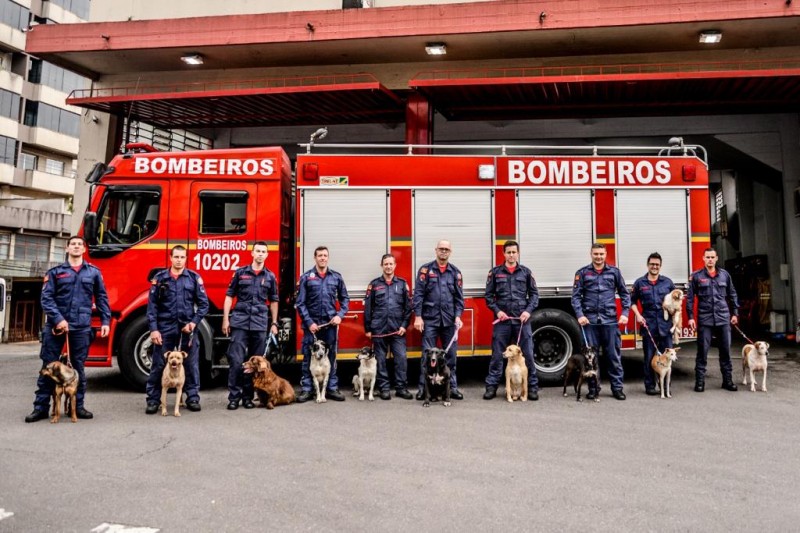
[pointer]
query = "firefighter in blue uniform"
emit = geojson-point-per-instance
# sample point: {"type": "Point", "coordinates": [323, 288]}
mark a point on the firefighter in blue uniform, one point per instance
{"type": "Point", "coordinates": [438, 305]}
{"type": "Point", "coordinates": [177, 303]}
{"type": "Point", "coordinates": [596, 308]}
{"type": "Point", "coordinates": [717, 309]}
{"type": "Point", "coordinates": [318, 292]}
{"type": "Point", "coordinates": [387, 311]}
{"type": "Point", "coordinates": [649, 291]}
{"type": "Point", "coordinates": [67, 301]}
{"type": "Point", "coordinates": [511, 292]}
{"type": "Point", "coordinates": [256, 291]}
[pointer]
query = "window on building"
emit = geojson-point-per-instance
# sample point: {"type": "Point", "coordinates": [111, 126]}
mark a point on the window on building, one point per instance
{"type": "Point", "coordinates": [5, 244]}
{"type": "Point", "coordinates": [9, 104]}
{"type": "Point", "coordinates": [76, 7]}
{"type": "Point", "coordinates": [31, 248]}
{"type": "Point", "coordinates": [53, 166]}
{"type": "Point", "coordinates": [56, 77]}
{"type": "Point", "coordinates": [8, 150]}
{"type": "Point", "coordinates": [42, 115]}
{"type": "Point", "coordinates": [14, 15]}
{"type": "Point", "coordinates": [127, 215]}
{"type": "Point", "coordinates": [223, 212]}
{"type": "Point", "coordinates": [167, 140]}
{"type": "Point", "coordinates": [27, 161]}
{"type": "Point", "coordinates": [59, 250]}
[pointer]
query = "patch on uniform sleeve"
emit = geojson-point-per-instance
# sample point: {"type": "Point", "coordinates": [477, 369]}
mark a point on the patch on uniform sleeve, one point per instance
{"type": "Point", "coordinates": [423, 270]}
{"type": "Point", "coordinates": [489, 276]}
{"type": "Point", "coordinates": [152, 281]}
{"type": "Point", "coordinates": [577, 277]}
{"type": "Point", "coordinates": [46, 278]}
{"type": "Point", "coordinates": [369, 289]}
{"type": "Point", "coordinates": [199, 280]}
{"type": "Point", "coordinates": [459, 280]}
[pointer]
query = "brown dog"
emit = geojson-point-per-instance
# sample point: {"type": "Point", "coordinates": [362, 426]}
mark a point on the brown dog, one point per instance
{"type": "Point", "coordinates": [516, 374]}
{"type": "Point", "coordinates": [66, 379]}
{"type": "Point", "coordinates": [754, 357]}
{"type": "Point", "coordinates": [271, 389]}
{"type": "Point", "coordinates": [673, 310]}
{"type": "Point", "coordinates": [173, 376]}
{"type": "Point", "coordinates": [662, 366]}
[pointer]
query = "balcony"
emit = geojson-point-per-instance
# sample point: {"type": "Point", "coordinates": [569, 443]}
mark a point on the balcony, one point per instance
{"type": "Point", "coordinates": [48, 139]}
{"type": "Point", "coordinates": [53, 183]}
{"type": "Point", "coordinates": [12, 37]}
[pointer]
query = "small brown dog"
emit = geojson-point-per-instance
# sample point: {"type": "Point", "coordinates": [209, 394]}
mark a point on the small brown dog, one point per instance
{"type": "Point", "coordinates": [673, 310]}
{"type": "Point", "coordinates": [754, 358]}
{"type": "Point", "coordinates": [66, 379]}
{"type": "Point", "coordinates": [662, 366]}
{"type": "Point", "coordinates": [516, 374]}
{"type": "Point", "coordinates": [271, 389]}
{"type": "Point", "coordinates": [173, 376]}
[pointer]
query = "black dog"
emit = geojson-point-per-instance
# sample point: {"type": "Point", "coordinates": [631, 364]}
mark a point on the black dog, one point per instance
{"type": "Point", "coordinates": [437, 376]}
{"type": "Point", "coordinates": [584, 364]}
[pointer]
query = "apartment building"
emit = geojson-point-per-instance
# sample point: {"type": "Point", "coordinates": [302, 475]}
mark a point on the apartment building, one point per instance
{"type": "Point", "coordinates": [39, 139]}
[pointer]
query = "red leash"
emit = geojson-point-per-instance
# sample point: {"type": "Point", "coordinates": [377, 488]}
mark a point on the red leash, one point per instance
{"type": "Point", "coordinates": [742, 334]}
{"type": "Point", "coordinates": [519, 335]}
{"type": "Point", "coordinates": [65, 348]}
{"type": "Point", "coordinates": [658, 352]}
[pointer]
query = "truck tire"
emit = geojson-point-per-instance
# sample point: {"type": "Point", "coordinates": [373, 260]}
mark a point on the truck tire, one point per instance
{"type": "Point", "coordinates": [556, 335]}
{"type": "Point", "coordinates": [135, 353]}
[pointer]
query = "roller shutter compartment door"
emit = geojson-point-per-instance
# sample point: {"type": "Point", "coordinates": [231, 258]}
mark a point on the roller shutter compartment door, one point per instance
{"type": "Point", "coordinates": [353, 224]}
{"type": "Point", "coordinates": [462, 217]}
{"type": "Point", "coordinates": [652, 220]}
{"type": "Point", "coordinates": [555, 234]}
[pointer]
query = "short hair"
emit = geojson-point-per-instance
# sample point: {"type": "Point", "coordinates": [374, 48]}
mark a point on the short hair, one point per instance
{"type": "Point", "coordinates": [709, 250]}
{"type": "Point", "coordinates": [320, 249]}
{"type": "Point", "coordinates": [261, 243]}
{"type": "Point", "coordinates": [73, 237]}
{"type": "Point", "coordinates": [598, 245]}
{"type": "Point", "coordinates": [509, 244]}
{"type": "Point", "coordinates": [654, 255]}
{"type": "Point", "coordinates": [384, 257]}
{"type": "Point", "coordinates": [176, 247]}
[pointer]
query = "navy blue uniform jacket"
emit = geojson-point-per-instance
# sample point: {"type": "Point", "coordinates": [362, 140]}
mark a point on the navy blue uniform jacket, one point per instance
{"type": "Point", "coordinates": [439, 296]}
{"type": "Point", "coordinates": [253, 293]}
{"type": "Point", "coordinates": [651, 297]}
{"type": "Point", "coordinates": [387, 307]}
{"type": "Point", "coordinates": [67, 295]}
{"type": "Point", "coordinates": [716, 298]}
{"type": "Point", "coordinates": [317, 296]}
{"type": "Point", "coordinates": [512, 293]}
{"type": "Point", "coordinates": [593, 294]}
{"type": "Point", "coordinates": [173, 303]}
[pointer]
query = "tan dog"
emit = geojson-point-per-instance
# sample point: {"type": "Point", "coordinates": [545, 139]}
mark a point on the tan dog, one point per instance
{"type": "Point", "coordinates": [662, 366]}
{"type": "Point", "coordinates": [272, 390]}
{"type": "Point", "coordinates": [754, 358]}
{"type": "Point", "coordinates": [173, 376]}
{"type": "Point", "coordinates": [516, 374]}
{"type": "Point", "coordinates": [673, 310]}
{"type": "Point", "coordinates": [66, 379]}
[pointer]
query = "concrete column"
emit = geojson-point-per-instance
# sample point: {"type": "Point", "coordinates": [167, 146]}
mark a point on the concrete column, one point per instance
{"type": "Point", "coordinates": [97, 144]}
{"type": "Point", "coordinates": [790, 150]}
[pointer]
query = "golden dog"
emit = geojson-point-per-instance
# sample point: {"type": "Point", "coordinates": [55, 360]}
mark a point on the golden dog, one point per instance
{"type": "Point", "coordinates": [754, 358]}
{"type": "Point", "coordinates": [272, 390]}
{"type": "Point", "coordinates": [173, 376]}
{"type": "Point", "coordinates": [516, 374]}
{"type": "Point", "coordinates": [662, 366]}
{"type": "Point", "coordinates": [66, 379]}
{"type": "Point", "coordinates": [673, 310]}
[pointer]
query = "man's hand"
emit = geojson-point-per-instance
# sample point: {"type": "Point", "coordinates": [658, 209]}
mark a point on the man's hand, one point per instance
{"type": "Point", "coordinates": [104, 331]}
{"type": "Point", "coordinates": [692, 324]}
{"type": "Point", "coordinates": [188, 328]}
{"type": "Point", "coordinates": [640, 319]}
{"type": "Point", "coordinates": [501, 316]}
{"type": "Point", "coordinates": [226, 326]}
{"type": "Point", "coordinates": [459, 323]}
{"type": "Point", "coordinates": [401, 331]}
{"type": "Point", "coordinates": [419, 325]}
{"type": "Point", "coordinates": [524, 316]}
{"type": "Point", "coordinates": [623, 320]}
{"type": "Point", "coordinates": [155, 337]}
{"type": "Point", "coordinates": [734, 320]}
{"type": "Point", "coordinates": [62, 326]}
{"type": "Point", "coordinates": [369, 335]}
{"type": "Point", "coordinates": [583, 321]}
{"type": "Point", "coordinates": [313, 328]}
{"type": "Point", "coordinates": [336, 320]}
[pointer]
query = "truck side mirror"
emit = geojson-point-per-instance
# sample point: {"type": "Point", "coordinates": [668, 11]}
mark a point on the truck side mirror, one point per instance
{"type": "Point", "coordinates": [90, 228]}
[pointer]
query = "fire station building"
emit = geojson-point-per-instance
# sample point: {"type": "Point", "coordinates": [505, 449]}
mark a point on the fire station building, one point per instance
{"type": "Point", "coordinates": [724, 75]}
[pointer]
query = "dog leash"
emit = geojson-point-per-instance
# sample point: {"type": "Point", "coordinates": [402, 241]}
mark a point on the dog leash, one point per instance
{"type": "Point", "coordinates": [583, 332]}
{"type": "Point", "coordinates": [270, 340]}
{"type": "Point", "coordinates": [386, 334]}
{"type": "Point", "coordinates": [519, 335]}
{"type": "Point", "coordinates": [455, 336]}
{"type": "Point", "coordinates": [64, 349]}
{"type": "Point", "coordinates": [322, 326]}
{"type": "Point", "coordinates": [658, 352]}
{"type": "Point", "coordinates": [742, 334]}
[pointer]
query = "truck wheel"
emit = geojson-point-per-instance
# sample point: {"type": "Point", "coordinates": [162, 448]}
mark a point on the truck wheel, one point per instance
{"type": "Point", "coordinates": [136, 353]}
{"type": "Point", "coordinates": [555, 335]}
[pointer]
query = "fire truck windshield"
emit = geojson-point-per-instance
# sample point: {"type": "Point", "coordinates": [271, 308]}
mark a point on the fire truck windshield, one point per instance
{"type": "Point", "coordinates": [127, 216]}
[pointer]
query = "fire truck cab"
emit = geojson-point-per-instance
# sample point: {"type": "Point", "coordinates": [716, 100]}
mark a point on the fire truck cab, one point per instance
{"type": "Point", "coordinates": [364, 201]}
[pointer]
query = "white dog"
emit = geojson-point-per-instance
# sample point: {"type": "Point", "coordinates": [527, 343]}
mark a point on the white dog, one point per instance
{"type": "Point", "coordinates": [673, 309]}
{"type": "Point", "coordinates": [320, 368]}
{"type": "Point", "coordinates": [754, 358]}
{"type": "Point", "coordinates": [367, 374]}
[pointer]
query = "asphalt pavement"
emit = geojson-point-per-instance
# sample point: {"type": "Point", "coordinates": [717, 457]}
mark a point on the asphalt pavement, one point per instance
{"type": "Point", "coordinates": [717, 461]}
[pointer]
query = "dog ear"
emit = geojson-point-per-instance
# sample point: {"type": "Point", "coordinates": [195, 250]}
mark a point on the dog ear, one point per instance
{"type": "Point", "coordinates": [263, 365]}
{"type": "Point", "coordinates": [677, 349]}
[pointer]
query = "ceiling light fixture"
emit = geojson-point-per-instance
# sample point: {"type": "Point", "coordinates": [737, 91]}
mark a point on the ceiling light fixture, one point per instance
{"type": "Point", "coordinates": [436, 49]}
{"type": "Point", "coordinates": [710, 36]}
{"type": "Point", "coordinates": [192, 59]}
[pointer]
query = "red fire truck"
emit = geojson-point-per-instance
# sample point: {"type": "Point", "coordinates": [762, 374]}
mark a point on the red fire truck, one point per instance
{"type": "Point", "coordinates": [364, 201]}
